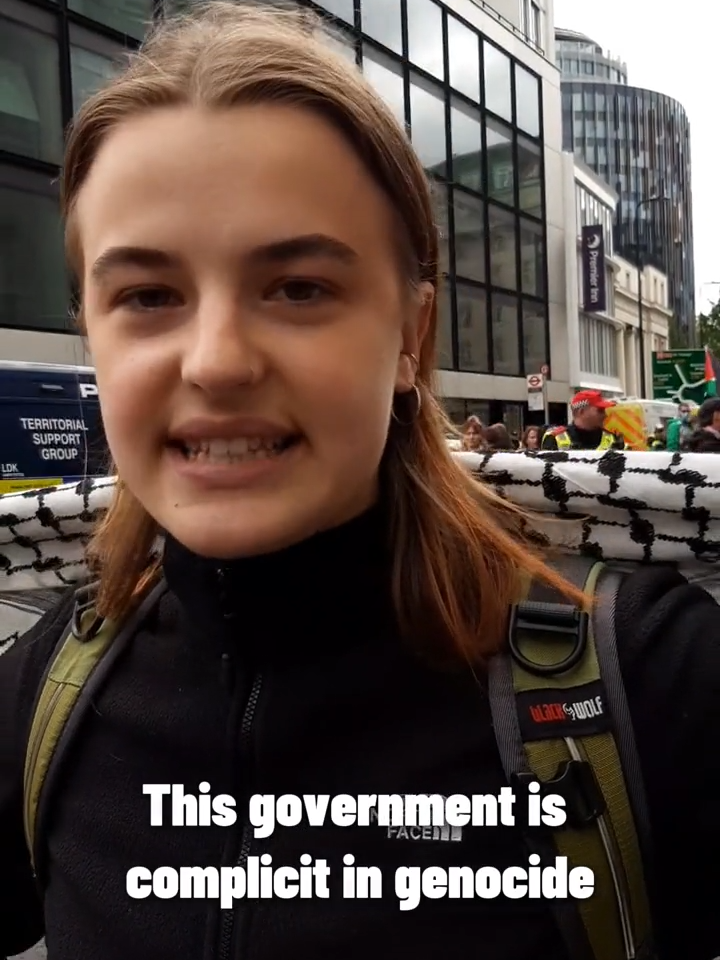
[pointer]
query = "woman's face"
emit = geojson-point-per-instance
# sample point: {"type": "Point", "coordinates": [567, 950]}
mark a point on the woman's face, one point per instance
{"type": "Point", "coordinates": [473, 436]}
{"type": "Point", "coordinates": [533, 440]}
{"type": "Point", "coordinates": [247, 321]}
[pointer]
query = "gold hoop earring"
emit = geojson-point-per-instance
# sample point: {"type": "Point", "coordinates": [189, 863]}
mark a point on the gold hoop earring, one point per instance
{"type": "Point", "coordinates": [417, 408]}
{"type": "Point", "coordinates": [414, 360]}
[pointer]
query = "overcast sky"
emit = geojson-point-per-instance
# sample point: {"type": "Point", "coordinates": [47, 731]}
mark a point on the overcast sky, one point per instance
{"type": "Point", "coordinates": [672, 48]}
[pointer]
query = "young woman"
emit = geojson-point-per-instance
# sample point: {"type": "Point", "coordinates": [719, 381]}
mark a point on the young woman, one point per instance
{"type": "Point", "coordinates": [473, 435]}
{"type": "Point", "coordinates": [531, 439]}
{"type": "Point", "coordinates": [253, 238]}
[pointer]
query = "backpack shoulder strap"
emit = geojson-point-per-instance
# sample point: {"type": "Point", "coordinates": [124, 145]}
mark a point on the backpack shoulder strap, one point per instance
{"type": "Point", "coordinates": [71, 678]}
{"type": "Point", "coordinates": [561, 719]}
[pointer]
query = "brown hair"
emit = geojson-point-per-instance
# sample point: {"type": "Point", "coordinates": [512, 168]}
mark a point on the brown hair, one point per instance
{"type": "Point", "coordinates": [473, 421]}
{"type": "Point", "coordinates": [526, 434]}
{"type": "Point", "coordinates": [457, 545]}
{"type": "Point", "coordinates": [497, 437]}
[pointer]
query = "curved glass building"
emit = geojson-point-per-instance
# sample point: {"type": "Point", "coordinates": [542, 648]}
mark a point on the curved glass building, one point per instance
{"type": "Point", "coordinates": [639, 142]}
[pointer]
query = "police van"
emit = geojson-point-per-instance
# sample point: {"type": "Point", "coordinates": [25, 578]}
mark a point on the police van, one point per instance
{"type": "Point", "coordinates": [50, 425]}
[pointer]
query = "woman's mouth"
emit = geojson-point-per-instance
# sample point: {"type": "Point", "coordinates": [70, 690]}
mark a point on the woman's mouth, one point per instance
{"type": "Point", "coordinates": [235, 450]}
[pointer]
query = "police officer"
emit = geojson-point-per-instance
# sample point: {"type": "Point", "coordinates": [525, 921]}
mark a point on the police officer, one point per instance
{"type": "Point", "coordinates": [586, 432]}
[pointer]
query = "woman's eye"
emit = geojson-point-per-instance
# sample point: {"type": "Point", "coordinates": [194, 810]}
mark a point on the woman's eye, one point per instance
{"type": "Point", "coordinates": [148, 298]}
{"type": "Point", "coordinates": [300, 291]}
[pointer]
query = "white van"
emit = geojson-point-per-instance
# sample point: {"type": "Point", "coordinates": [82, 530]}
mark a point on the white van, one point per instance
{"type": "Point", "coordinates": [655, 411]}
{"type": "Point", "coordinates": [50, 425]}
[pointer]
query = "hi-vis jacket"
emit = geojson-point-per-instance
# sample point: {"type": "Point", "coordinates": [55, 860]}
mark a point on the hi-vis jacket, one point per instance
{"type": "Point", "coordinates": [565, 442]}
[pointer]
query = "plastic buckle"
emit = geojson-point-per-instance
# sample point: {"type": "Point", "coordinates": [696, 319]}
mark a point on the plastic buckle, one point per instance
{"type": "Point", "coordinates": [85, 597]}
{"type": "Point", "coordinates": [560, 619]}
{"type": "Point", "coordinates": [576, 783]}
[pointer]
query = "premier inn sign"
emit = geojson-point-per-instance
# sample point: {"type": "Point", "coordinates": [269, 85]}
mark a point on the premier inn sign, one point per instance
{"type": "Point", "coordinates": [593, 269]}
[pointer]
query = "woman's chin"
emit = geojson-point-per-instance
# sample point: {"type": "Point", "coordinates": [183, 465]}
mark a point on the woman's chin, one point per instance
{"type": "Point", "coordinates": [209, 532]}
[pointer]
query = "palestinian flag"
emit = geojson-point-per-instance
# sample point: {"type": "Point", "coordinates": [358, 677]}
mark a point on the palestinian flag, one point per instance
{"type": "Point", "coordinates": [712, 373]}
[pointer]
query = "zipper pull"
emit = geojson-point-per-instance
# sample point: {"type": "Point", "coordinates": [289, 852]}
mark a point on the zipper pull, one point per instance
{"type": "Point", "coordinates": [225, 604]}
{"type": "Point", "coordinates": [226, 672]}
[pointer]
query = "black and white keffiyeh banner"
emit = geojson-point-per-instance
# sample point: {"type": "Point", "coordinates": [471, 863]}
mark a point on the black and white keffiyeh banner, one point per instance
{"type": "Point", "coordinates": [617, 506]}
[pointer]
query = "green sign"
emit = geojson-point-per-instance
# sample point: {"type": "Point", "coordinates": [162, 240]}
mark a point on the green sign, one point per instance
{"type": "Point", "coordinates": [679, 375]}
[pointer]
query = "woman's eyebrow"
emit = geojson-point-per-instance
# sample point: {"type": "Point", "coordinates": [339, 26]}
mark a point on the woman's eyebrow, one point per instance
{"type": "Point", "coordinates": [277, 251]}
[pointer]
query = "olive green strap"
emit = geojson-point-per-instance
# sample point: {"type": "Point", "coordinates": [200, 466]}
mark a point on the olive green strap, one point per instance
{"type": "Point", "coordinates": [65, 691]}
{"type": "Point", "coordinates": [620, 893]}
{"type": "Point", "coordinates": [68, 673]}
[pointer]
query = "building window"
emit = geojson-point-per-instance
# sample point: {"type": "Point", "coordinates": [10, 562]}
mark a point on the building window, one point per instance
{"type": "Point", "coordinates": [440, 197]}
{"type": "Point", "coordinates": [527, 101]}
{"type": "Point", "coordinates": [464, 49]}
{"type": "Point", "coordinates": [93, 61]}
{"type": "Point", "coordinates": [469, 236]}
{"type": "Point", "coordinates": [530, 177]}
{"type": "Point", "coordinates": [472, 328]}
{"type": "Point", "coordinates": [381, 21]}
{"type": "Point", "coordinates": [459, 410]}
{"type": "Point", "coordinates": [505, 335]}
{"type": "Point", "coordinates": [384, 74]}
{"type": "Point", "coordinates": [131, 17]}
{"type": "Point", "coordinates": [598, 347]}
{"type": "Point", "coordinates": [342, 45]}
{"type": "Point", "coordinates": [30, 110]}
{"type": "Point", "coordinates": [466, 133]}
{"type": "Point", "coordinates": [89, 72]}
{"type": "Point", "coordinates": [443, 340]}
{"type": "Point", "coordinates": [535, 340]}
{"type": "Point", "coordinates": [503, 262]}
{"type": "Point", "coordinates": [342, 9]}
{"type": "Point", "coordinates": [536, 24]}
{"type": "Point", "coordinates": [501, 171]}
{"type": "Point", "coordinates": [34, 289]}
{"type": "Point", "coordinates": [525, 20]}
{"type": "Point", "coordinates": [427, 120]}
{"type": "Point", "coordinates": [425, 37]}
{"type": "Point", "coordinates": [532, 259]}
{"type": "Point", "coordinates": [498, 87]}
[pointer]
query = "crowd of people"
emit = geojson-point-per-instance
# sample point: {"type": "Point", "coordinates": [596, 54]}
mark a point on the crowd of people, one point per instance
{"type": "Point", "coordinates": [476, 437]}
{"type": "Point", "coordinates": [695, 430]}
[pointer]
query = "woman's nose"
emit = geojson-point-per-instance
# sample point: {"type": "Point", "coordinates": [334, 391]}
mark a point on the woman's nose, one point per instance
{"type": "Point", "coordinates": [222, 352]}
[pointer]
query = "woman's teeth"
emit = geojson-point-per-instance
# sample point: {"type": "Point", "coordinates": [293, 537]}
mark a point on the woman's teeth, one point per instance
{"type": "Point", "coordinates": [234, 451]}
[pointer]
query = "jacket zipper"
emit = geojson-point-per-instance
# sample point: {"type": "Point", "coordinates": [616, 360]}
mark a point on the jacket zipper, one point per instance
{"type": "Point", "coordinates": [227, 922]}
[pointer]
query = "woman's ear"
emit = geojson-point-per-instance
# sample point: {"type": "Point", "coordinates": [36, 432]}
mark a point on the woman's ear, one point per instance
{"type": "Point", "coordinates": [418, 324]}
{"type": "Point", "coordinates": [423, 309]}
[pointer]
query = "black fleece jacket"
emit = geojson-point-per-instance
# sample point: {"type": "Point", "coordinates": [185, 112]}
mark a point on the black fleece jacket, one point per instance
{"type": "Point", "coordinates": [285, 675]}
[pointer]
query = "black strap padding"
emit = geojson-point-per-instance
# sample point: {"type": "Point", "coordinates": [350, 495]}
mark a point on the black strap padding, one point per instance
{"type": "Point", "coordinates": [607, 591]}
{"type": "Point", "coordinates": [575, 570]}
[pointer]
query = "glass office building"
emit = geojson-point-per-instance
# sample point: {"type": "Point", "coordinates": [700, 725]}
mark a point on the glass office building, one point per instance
{"type": "Point", "coordinates": [638, 141]}
{"type": "Point", "coordinates": [473, 113]}
{"type": "Point", "coordinates": [52, 55]}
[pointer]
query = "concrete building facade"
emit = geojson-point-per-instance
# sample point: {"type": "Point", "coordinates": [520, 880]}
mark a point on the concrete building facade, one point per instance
{"type": "Point", "coordinates": [604, 347]}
